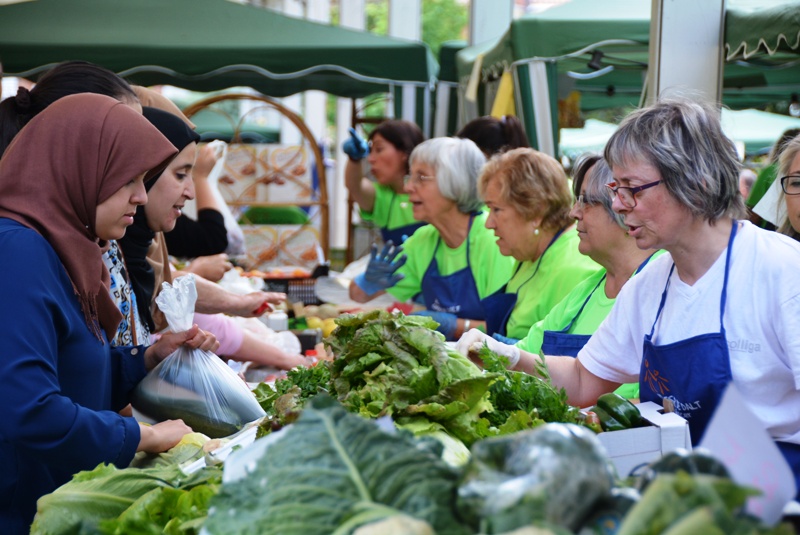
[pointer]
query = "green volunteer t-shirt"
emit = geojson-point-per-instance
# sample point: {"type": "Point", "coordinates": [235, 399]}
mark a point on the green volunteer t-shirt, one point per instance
{"type": "Point", "coordinates": [590, 319]}
{"type": "Point", "coordinates": [559, 317]}
{"type": "Point", "coordinates": [391, 210]}
{"type": "Point", "coordinates": [490, 269]}
{"type": "Point", "coordinates": [561, 268]}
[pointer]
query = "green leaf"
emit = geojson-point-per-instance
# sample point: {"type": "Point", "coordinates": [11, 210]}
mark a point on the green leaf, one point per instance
{"type": "Point", "coordinates": [333, 470]}
{"type": "Point", "coordinates": [100, 494]}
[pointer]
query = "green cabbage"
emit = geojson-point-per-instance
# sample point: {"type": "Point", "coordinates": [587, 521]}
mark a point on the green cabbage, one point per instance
{"type": "Point", "coordinates": [331, 473]}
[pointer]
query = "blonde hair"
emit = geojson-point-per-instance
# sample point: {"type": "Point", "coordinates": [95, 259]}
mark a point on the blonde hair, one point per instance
{"type": "Point", "coordinates": [789, 152]}
{"type": "Point", "coordinates": [532, 183]}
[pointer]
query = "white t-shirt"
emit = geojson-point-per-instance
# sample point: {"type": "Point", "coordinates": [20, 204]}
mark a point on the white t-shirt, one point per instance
{"type": "Point", "coordinates": [762, 322]}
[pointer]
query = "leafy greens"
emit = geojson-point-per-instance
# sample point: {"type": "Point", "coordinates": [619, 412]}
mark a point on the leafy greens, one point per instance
{"type": "Point", "coordinates": [333, 471]}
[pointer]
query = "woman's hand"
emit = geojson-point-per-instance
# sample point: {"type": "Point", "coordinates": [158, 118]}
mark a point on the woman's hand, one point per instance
{"type": "Point", "coordinates": [210, 267]}
{"type": "Point", "coordinates": [255, 304]}
{"type": "Point", "coordinates": [473, 340]}
{"type": "Point", "coordinates": [161, 436]}
{"type": "Point", "coordinates": [381, 272]}
{"type": "Point", "coordinates": [168, 343]}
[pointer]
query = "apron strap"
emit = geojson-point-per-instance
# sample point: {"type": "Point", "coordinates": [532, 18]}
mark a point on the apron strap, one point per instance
{"type": "Point", "coordinates": [663, 300]}
{"type": "Point", "coordinates": [724, 296]}
{"type": "Point", "coordinates": [568, 327]}
{"type": "Point", "coordinates": [539, 260]}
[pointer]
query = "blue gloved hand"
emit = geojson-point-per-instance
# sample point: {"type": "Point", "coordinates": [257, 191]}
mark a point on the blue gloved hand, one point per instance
{"type": "Point", "coordinates": [356, 147]}
{"type": "Point", "coordinates": [381, 272]}
{"type": "Point", "coordinates": [505, 339]}
{"type": "Point", "coordinates": [447, 321]}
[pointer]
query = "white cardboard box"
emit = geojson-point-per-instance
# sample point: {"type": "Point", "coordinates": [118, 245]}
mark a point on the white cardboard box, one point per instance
{"type": "Point", "coordinates": [631, 447]}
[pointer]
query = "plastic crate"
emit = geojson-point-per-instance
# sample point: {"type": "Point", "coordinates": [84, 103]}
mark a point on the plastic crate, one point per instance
{"type": "Point", "coordinates": [299, 289]}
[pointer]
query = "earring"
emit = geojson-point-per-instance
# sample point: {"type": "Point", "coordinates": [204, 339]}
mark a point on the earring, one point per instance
{"type": "Point", "coordinates": [536, 231]}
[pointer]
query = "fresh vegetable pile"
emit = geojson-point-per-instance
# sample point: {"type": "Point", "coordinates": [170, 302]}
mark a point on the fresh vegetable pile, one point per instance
{"type": "Point", "coordinates": [394, 365]}
{"type": "Point", "coordinates": [333, 472]}
{"type": "Point", "coordinates": [155, 498]}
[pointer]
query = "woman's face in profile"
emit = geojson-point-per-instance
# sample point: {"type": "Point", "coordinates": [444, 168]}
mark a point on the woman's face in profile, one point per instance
{"type": "Point", "coordinates": [172, 189]}
{"type": "Point", "coordinates": [793, 201]}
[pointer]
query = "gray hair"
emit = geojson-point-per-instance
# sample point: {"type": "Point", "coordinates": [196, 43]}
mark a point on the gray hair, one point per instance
{"type": "Point", "coordinates": [684, 141]}
{"type": "Point", "coordinates": [596, 190]}
{"type": "Point", "coordinates": [457, 164]}
{"type": "Point", "coordinates": [788, 153]}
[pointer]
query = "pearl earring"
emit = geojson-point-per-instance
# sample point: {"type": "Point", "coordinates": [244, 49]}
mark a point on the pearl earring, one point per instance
{"type": "Point", "coordinates": [536, 232]}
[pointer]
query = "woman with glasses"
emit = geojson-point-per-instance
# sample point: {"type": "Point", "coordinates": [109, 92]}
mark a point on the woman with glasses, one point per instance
{"type": "Point", "coordinates": [383, 200]}
{"type": "Point", "coordinates": [723, 306]}
{"type": "Point", "coordinates": [453, 261]}
{"type": "Point", "coordinates": [603, 237]}
{"type": "Point", "coordinates": [790, 188]}
{"type": "Point", "coordinates": [529, 201]}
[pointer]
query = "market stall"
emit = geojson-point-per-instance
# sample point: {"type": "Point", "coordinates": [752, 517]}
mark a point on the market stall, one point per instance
{"type": "Point", "coordinates": [467, 452]}
{"type": "Point", "coordinates": [601, 52]}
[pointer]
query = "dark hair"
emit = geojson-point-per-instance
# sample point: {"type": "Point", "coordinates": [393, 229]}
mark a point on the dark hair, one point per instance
{"type": "Point", "coordinates": [493, 135]}
{"type": "Point", "coordinates": [403, 135]}
{"type": "Point", "coordinates": [67, 78]}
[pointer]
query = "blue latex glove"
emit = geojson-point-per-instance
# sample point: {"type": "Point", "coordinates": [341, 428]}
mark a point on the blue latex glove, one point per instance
{"type": "Point", "coordinates": [505, 339]}
{"type": "Point", "coordinates": [356, 147]}
{"type": "Point", "coordinates": [381, 272]}
{"type": "Point", "coordinates": [447, 321]}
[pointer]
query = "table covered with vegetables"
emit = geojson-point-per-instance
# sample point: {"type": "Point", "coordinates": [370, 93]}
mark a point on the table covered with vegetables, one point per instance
{"type": "Point", "coordinates": [400, 434]}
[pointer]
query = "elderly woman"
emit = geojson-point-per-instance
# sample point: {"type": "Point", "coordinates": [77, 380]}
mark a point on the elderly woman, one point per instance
{"type": "Point", "coordinates": [678, 327]}
{"type": "Point", "coordinates": [528, 196]}
{"type": "Point", "coordinates": [453, 261]}
{"type": "Point", "coordinates": [383, 201]}
{"type": "Point", "coordinates": [604, 238]}
{"type": "Point", "coordinates": [790, 187]}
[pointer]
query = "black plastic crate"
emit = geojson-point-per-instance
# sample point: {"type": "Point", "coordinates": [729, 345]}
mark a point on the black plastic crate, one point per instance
{"type": "Point", "coordinates": [299, 289]}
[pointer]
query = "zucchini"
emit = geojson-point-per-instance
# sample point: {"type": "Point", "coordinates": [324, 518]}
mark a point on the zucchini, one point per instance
{"type": "Point", "coordinates": [620, 409]}
{"type": "Point", "coordinates": [607, 422]}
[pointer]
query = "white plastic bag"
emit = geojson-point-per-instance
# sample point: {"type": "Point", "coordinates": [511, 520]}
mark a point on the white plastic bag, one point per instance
{"type": "Point", "coordinates": [236, 246]}
{"type": "Point", "coordinates": [191, 384]}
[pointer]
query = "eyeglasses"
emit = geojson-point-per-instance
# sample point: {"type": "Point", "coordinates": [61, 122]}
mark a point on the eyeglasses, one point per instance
{"type": "Point", "coordinates": [626, 195]}
{"type": "Point", "coordinates": [417, 179]}
{"type": "Point", "coordinates": [791, 184]}
{"type": "Point", "coordinates": [583, 201]}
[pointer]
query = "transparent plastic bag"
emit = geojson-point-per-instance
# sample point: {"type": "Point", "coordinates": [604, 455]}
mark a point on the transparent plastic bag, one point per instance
{"type": "Point", "coordinates": [191, 384]}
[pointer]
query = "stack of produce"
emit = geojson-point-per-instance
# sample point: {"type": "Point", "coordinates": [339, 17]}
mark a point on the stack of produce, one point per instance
{"type": "Point", "coordinates": [389, 364]}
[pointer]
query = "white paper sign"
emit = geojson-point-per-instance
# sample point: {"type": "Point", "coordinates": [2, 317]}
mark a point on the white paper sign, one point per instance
{"type": "Point", "coordinates": [738, 438]}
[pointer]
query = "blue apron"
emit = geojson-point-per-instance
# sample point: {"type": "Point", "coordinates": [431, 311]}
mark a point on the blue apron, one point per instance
{"type": "Point", "coordinates": [500, 304]}
{"type": "Point", "coordinates": [692, 373]}
{"type": "Point", "coordinates": [396, 234]}
{"type": "Point", "coordinates": [791, 452]}
{"type": "Point", "coordinates": [562, 343]}
{"type": "Point", "coordinates": [455, 293]}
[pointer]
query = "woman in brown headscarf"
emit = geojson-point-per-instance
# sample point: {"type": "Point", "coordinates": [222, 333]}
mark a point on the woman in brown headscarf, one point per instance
{"type": "Point", "coordinates": [71, 178]}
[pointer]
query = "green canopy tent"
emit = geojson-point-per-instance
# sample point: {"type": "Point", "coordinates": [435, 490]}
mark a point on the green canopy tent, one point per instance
{"type": "Point", "coordinates": [757, 130]}
{"type": "Point", "coordinates": [601, 50]}
{"type": "Point", "coordinates": [207, 45]}
{"type": "Point", "coordinates": [447, 110]}
{"type": "Point", "coordinates": [548, 54]}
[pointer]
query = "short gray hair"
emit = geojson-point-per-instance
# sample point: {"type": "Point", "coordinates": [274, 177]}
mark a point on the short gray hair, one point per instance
{"type": "Point", "coordinates": [684, 141]}
{"type": "Point", "coordinates": [457, 164]}
{"type": "Point", "coordinates": [596, 189]}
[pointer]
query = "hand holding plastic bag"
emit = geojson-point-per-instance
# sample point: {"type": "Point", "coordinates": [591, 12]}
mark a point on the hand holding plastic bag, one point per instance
{"type": "Point", "coordinates": [191, 384]}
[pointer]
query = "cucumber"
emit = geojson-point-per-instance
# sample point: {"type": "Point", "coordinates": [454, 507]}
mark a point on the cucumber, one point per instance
{"type": "Point", "coordinates": [608, 422]}
{"type": "Point", "coordinates": [620, 409]}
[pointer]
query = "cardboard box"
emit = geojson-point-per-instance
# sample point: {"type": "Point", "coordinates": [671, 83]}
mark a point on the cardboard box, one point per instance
{"type": "Point", "coordinates": [633, 447]}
